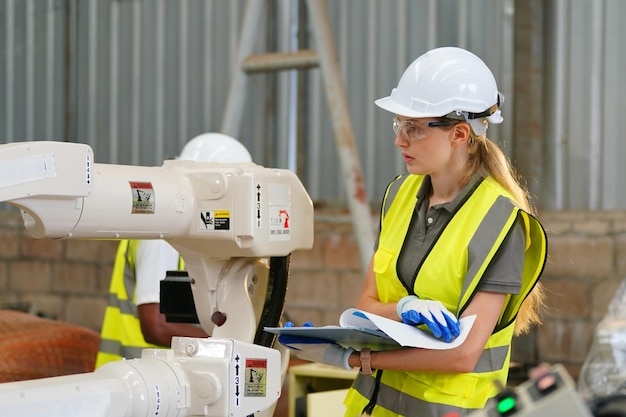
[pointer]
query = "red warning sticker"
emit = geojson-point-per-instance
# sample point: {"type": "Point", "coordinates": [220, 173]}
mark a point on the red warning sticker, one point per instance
{"type": "Point", "coordinates": [256, 378]}
{"type": "Point", "coordinates": [143, 197]}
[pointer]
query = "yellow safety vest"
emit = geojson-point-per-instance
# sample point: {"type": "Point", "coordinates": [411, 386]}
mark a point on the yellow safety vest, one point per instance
{"type": "Point", "coordinates": [450, 273]}
{"type": "Point", "coordinates": [121, 335]}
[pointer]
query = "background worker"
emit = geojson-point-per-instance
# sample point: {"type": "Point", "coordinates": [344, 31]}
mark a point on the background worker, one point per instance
{"type": "Point", "coordinates": [457, 238]}
{"type": "Point", "coordinates": [132, 319]}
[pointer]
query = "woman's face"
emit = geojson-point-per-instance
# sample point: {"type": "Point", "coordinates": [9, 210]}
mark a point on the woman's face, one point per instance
{"type": "Point", "coordinates": [426, 147]}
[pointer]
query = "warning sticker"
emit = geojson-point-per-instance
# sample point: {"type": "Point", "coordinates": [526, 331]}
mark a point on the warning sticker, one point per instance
{"type": "Point", "coordinates": [214, 220]}
{"type": "Point", "coordinates": [256, 378]}
{"type": "Point", "coordinates": [279, 223]}
{"type": "Point", "coordinates": [143, 197]}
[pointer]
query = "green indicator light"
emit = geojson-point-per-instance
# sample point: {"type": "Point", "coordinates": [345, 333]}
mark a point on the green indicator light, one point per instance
{"type": "Point", "coordinates": [506, 404]}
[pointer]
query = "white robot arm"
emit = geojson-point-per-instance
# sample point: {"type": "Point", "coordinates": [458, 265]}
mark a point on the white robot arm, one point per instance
{"type": "Point", "coordinates": [197, 377]}
{"type": "Point", "coordinates": [222, 218]}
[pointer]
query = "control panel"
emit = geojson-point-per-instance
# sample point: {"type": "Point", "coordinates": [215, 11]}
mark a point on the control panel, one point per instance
{"type": "Point", "coordinates": [549, 392]}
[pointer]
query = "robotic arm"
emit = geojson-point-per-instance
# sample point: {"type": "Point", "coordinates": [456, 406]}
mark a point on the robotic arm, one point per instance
{"type": "Point", "coordinates": [222, 218]}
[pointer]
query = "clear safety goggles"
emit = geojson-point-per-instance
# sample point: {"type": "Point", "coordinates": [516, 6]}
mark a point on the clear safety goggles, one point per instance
{"type": "Point", "coordinates": [413, 130]}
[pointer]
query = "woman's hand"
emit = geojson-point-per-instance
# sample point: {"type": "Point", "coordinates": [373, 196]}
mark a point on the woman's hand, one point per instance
{"type": "Point", "coordinates": [441, 323]}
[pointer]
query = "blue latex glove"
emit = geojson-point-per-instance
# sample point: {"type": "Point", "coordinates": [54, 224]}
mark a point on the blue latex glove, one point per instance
{"type": "Point", "coordinates": [306, 324]}
{"type": "Point", "coordinates": [441, 323]}
{"type": "Point", "coordinates": [317, 350]}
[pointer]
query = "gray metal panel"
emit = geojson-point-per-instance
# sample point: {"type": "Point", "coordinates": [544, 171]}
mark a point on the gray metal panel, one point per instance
{"type": "Point", "coordinates": [612, 101]}
{"type": "Point", "coordinates": [31, 77]}
{"type": "Point", "coordinates": [151, 74]}
{"type": "Point", "coordinates": [584, 144]}
{"type": "Point", "coordinates": [136, 79]}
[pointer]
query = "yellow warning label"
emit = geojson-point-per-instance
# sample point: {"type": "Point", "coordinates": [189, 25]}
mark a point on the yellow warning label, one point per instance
{"type": "Point", "coordinates": [214, 220]}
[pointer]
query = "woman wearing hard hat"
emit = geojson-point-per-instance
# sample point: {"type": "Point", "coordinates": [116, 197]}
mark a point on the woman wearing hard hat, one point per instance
{"type": "Point", "coordinates": [457, 238]}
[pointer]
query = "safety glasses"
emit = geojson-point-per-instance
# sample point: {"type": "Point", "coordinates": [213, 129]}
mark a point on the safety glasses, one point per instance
{"type": "Point", "coordinates": [413, 130]}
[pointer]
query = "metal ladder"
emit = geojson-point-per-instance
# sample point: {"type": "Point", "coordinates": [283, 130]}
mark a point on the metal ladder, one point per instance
{"type": "Point", "coordinates": [325, 57]}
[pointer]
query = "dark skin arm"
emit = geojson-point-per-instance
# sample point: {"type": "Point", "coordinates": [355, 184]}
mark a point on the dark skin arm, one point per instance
{"type": "Point", "coordinates": [158, 331]}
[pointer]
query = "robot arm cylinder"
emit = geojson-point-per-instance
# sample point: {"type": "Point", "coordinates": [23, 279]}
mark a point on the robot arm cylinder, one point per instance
{"type": "Point", "coordinates": [206, 210]}
{"type": "Point", "coordinates": [48, 182]}
{"type": "Point", "coordinates": [63, 194]}
{"type": "Point", "coordinates": [198, 377]}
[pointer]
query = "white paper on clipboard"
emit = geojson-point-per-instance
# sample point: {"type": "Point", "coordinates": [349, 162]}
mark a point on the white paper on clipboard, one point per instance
{"type": "Point", "coordinates": [360, 329]}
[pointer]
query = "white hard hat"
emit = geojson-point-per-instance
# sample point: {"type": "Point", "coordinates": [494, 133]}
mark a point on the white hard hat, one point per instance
{"type": "Point", "coordinates": [450, 82]}
{"type": "Point", "coordinates": [215, 147]}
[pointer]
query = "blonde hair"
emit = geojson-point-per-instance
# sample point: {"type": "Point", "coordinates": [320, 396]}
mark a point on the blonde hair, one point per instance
{"type": "Point", "coordinates": [487, 158]}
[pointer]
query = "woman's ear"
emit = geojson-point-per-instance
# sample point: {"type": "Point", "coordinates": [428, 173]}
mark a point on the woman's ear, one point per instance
{"type": "Point", "coordinates": [462, 132]}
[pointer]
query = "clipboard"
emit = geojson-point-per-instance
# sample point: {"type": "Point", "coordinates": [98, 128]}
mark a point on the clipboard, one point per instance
{"type": "Point", "coordinates": [359, 329]}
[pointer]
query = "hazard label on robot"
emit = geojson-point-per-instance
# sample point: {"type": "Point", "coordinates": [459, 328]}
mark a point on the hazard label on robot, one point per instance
{"type": "Point", "coordinates": [214, 220]}
{"type": "Point", "coordinates": [256, 378]}
{"type": "Point", "coordinates": [143, 197]}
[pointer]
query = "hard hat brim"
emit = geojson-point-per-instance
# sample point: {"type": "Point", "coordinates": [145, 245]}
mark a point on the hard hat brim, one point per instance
{"type": "Point", "coordinates": [387, 103]}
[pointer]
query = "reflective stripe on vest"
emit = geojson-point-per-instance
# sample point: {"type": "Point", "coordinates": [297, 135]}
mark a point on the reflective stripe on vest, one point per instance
{"type": "Point", "coordinates": [107, 345]}
{"type": "Point", "coordinates": [450, 273]}
{"type": "Point", "coordinates": [389, 405]}
{"type": "Point", "coordinates": [121, 335]}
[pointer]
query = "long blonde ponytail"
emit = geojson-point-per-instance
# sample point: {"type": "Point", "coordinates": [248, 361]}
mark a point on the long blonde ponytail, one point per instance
{"type": "Point", "coordinates": [488, 159]}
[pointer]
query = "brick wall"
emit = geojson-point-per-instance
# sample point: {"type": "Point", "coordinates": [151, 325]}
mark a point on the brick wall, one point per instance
{"type": "Point", "coordinates": [68, 279]}
{"type": "Point", "coordinates": [587, 263]}
{"type": "Point", "coordinates": [62, 279]}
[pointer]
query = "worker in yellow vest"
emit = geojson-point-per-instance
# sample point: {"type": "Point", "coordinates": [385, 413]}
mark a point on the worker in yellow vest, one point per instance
{"type": "Point", "coordinates": [457, 237]}
{"type": "Point", "coordinates": [132, 320]}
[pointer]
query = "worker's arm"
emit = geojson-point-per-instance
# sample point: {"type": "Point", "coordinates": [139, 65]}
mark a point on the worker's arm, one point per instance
{"type": "Point", "coordinates": [369, 300]}
{"type": "Point", "coordinates": [153, 259]}
{"type": "Point", "coordinates": [158, 331]}
{"type": "Point", "coordinates": [487, 307]}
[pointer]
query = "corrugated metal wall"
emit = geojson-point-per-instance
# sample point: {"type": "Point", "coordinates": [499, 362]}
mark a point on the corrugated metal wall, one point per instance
{"type": "Point", "coordinates": [586, 93]}
{"type": "Point", "coordinates": [136, 79]}
{"type": "Point", "coordinates": [376, 40]}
